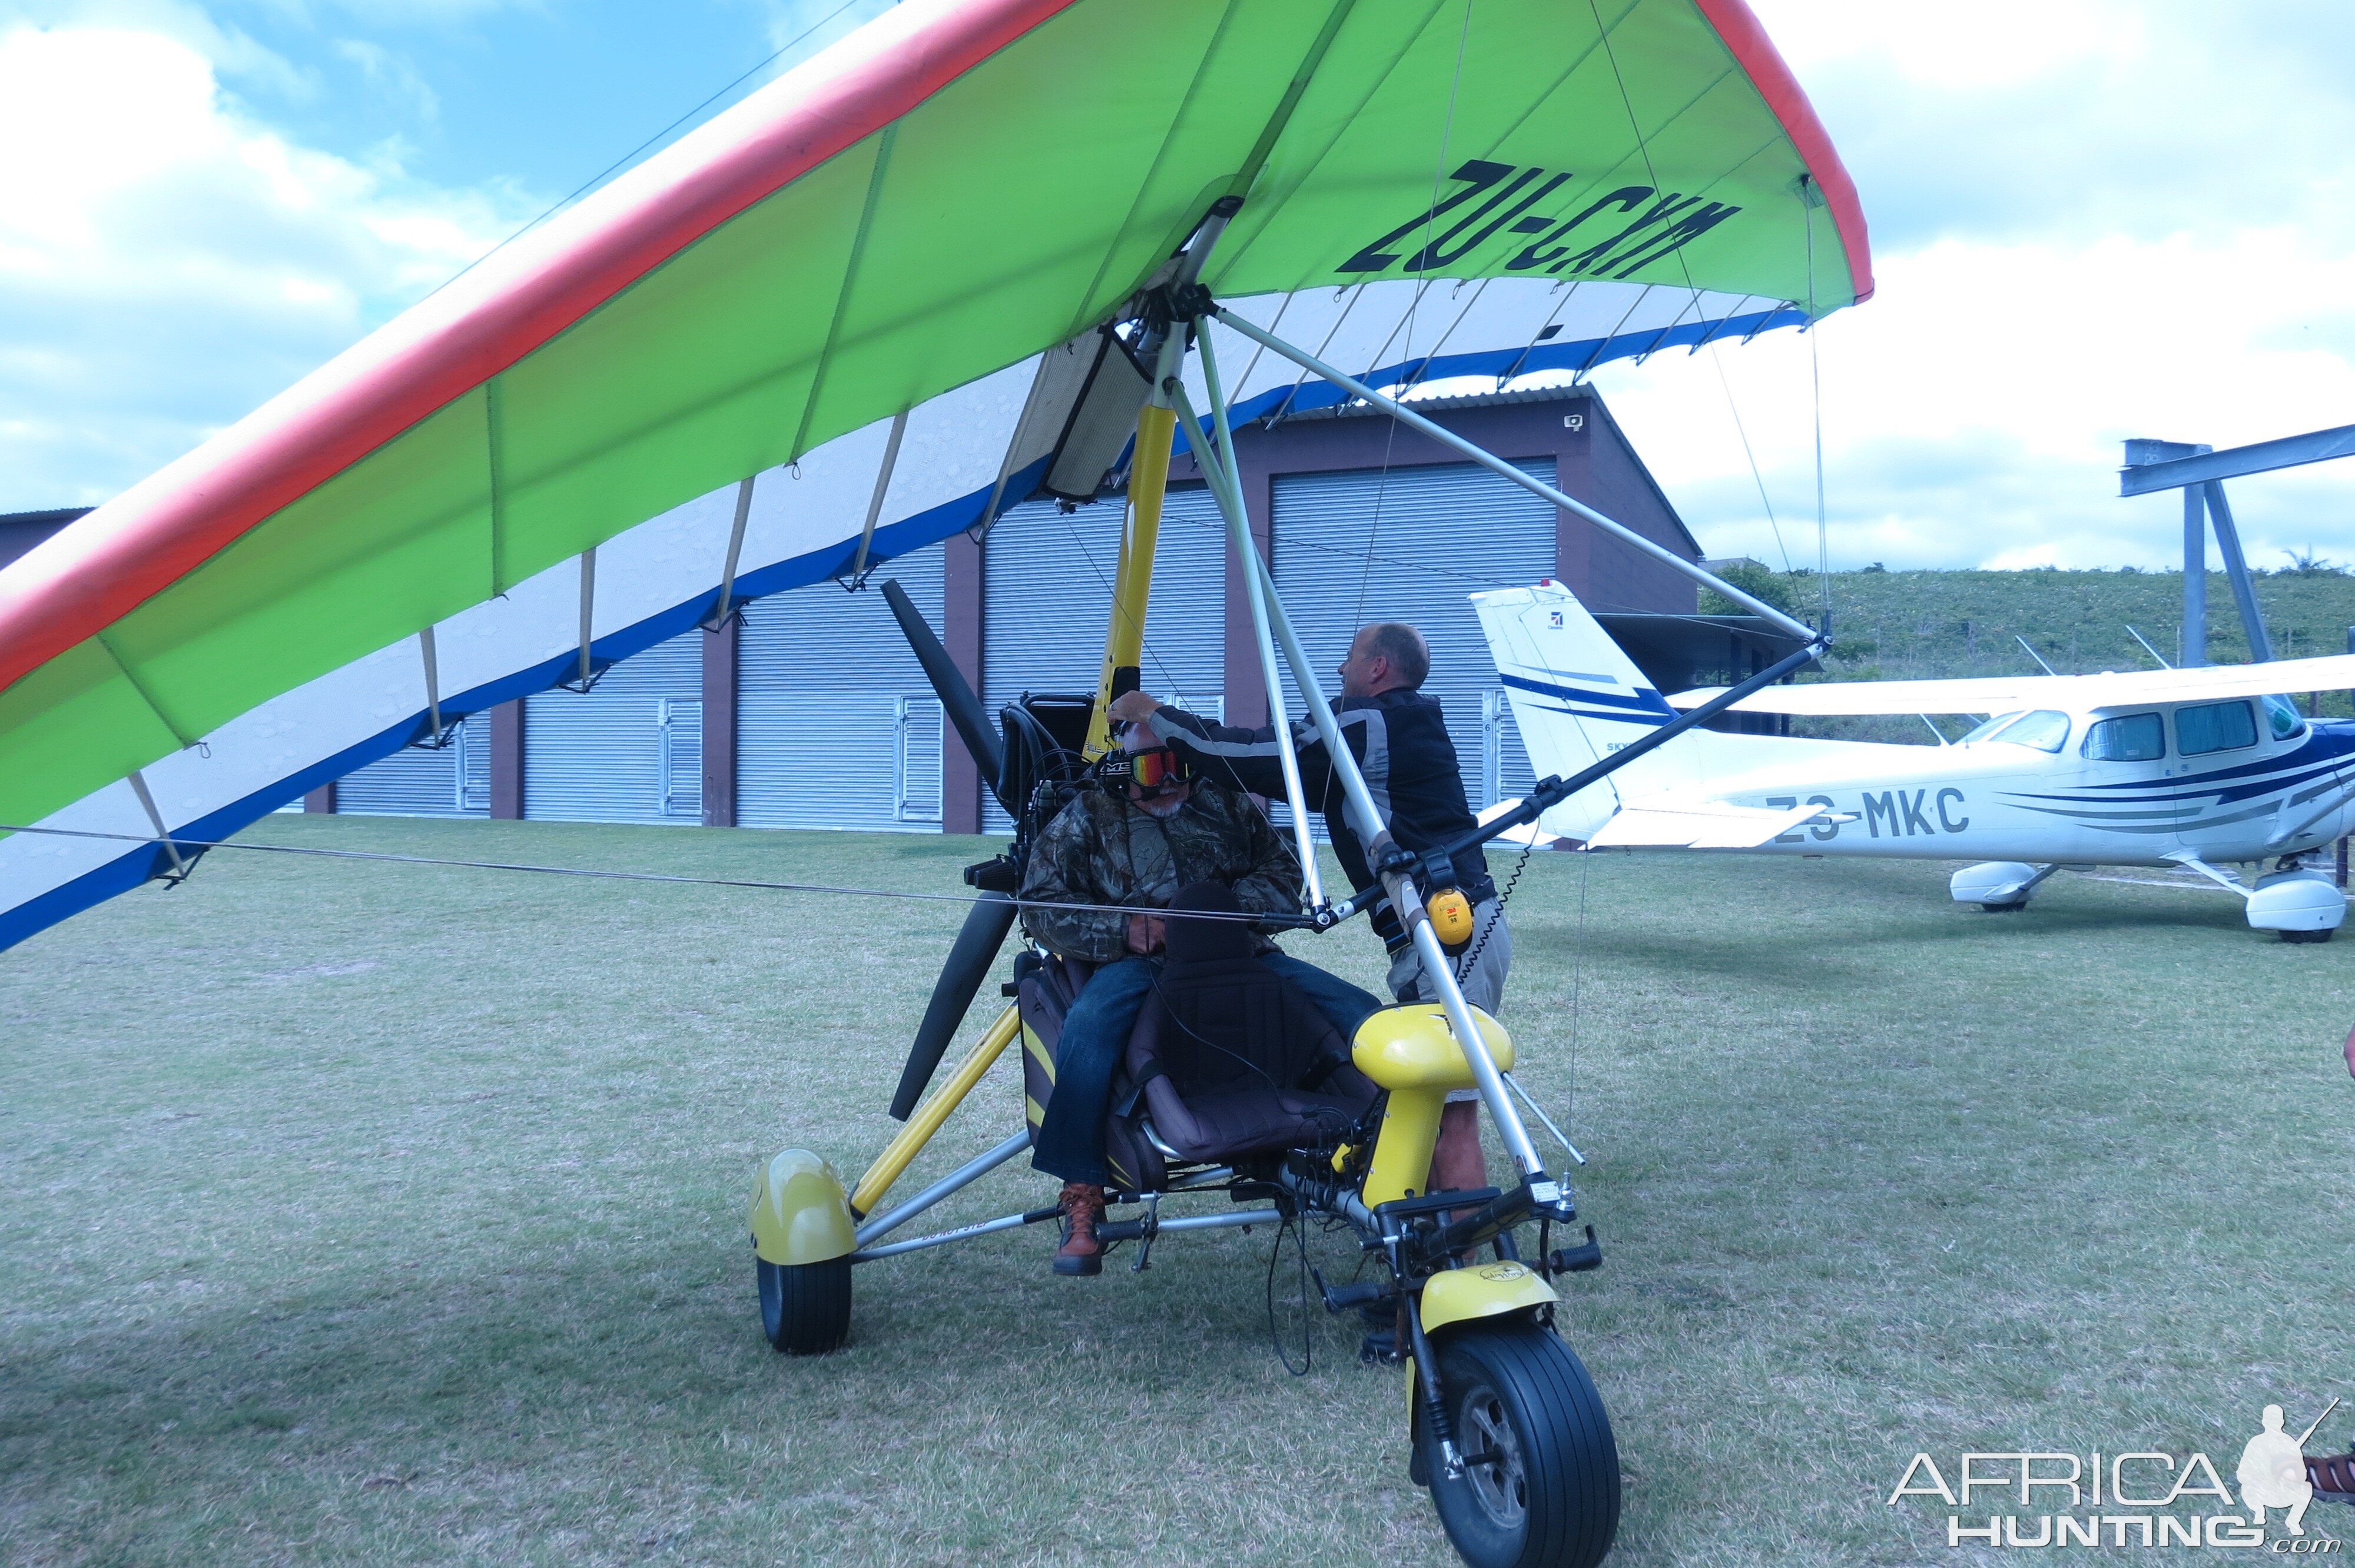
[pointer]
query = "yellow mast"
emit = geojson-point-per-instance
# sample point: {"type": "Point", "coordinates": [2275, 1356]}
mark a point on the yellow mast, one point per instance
{"type": "Point", "coordinates": [1148, 481]}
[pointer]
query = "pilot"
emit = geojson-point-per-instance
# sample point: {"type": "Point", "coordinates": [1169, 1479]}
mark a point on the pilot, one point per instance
{"type": "Point", "coordinates": [1399, 739]}
{"type": "Point", "coordinates": [1138, 844]}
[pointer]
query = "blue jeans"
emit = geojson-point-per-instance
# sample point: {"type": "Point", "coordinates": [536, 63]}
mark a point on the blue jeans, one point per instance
{"type": "Point", "coordinates": [1095, 1037]}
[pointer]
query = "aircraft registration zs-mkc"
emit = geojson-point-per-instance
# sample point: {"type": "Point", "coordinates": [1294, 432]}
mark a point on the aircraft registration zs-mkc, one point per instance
{"type": "Point", "coordinates": [2193, 768]}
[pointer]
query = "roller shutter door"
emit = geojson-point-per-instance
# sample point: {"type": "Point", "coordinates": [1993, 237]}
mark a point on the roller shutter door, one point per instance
{"type": "Point", "coordinates": [630, 750]}
{"type": "Point", "coordinates": [835, 725]}
{"type": "Point", "coordinates": [1047, 596]}
{"type": "Point", "coordinates": [451, 781]}
{"type": "Point", "coordinates": [1361, 545]}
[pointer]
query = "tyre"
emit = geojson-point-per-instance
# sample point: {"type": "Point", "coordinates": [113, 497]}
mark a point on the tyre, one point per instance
{"type": "Point", "coordinates": [2321, 936]}
{"type": "Point", "coordinates": [805, 1306]}
{"type": "Point", "coordinates": [2004, 908]}
{"type": "Point", "coordinates": [1540, 1487]}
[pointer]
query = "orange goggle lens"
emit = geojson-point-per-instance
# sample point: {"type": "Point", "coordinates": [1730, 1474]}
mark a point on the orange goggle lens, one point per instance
{"type": "Point", "coordinates": [1154, 769]}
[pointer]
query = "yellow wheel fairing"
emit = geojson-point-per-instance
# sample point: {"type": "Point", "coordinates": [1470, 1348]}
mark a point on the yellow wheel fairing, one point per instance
{"type": "Point", "coordinates": [799, 1212]}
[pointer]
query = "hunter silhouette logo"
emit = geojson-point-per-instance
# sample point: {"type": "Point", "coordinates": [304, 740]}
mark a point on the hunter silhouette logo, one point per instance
{"type": "Point", "coordinates": [2272, 1471]}
{"type": "Point", "coordinates": [2141, 1496]}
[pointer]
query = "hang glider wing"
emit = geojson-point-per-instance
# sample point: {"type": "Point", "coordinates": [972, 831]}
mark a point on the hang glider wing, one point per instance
{"type": "Point", "coordinates": [2074, 693]}
{"type": "Point", "coordinates": [918, 221]}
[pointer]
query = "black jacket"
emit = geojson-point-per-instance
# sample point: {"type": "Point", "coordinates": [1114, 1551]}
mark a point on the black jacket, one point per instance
{"type": "Point", "coordinates": [1399, 739]}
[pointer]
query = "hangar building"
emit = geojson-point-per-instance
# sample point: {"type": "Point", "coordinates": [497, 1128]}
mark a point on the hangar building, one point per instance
{"type": "Point", "coordinates": [808, 711]}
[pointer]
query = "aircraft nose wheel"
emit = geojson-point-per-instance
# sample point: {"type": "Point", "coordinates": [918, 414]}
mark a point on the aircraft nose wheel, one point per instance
{"type": "Point", "coordinates": [1540, 1482]}
{"type": "Point", "coordinates": [805, 1307]}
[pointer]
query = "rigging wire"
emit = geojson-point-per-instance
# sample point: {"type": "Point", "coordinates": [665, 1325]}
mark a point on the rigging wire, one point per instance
{"type": "Point", "coordinates": [630, 157]}
{"type": "Point", "coordinates": [1577, 985]}
{"type": "Point", "coordinates": [1685, 265]}
{"type": "Point", "coordinates": [1755, 477]}
{"type": "Point", "coordinates": [178, 842]}
{"type": "Point", "coordinates": [1816, 386]}
{"type": "Point", "coordinates": [1128, 505]}
{"type": "Point", "coordinates": [1415, 303]}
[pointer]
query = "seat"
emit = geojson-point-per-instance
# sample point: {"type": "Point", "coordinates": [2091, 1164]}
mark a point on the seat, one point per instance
{"type": "Point", "coordinates": [1227, 1059]}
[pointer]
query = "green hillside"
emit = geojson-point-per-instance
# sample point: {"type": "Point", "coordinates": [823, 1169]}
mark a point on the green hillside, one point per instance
{"type": "Point", "coordinates": [1891, 626]}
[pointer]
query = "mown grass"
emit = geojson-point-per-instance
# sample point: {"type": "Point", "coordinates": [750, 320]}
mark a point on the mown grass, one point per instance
{"type": "Point", "coordinates": [366, 1212]}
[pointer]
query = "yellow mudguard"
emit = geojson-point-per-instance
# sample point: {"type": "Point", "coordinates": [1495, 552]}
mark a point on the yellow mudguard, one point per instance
{"type": "Point", "coordinates": [799, 1212]}
{"type": "Point", "coordinates": [1482, 1290]}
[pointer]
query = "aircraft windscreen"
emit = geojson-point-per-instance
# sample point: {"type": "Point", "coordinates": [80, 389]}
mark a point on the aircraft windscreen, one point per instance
{"type": "Point", "coordinates": [1992, 724]}
{"type": "Point", "coordinates": [2043, 729]}
{"type": "Point", "coordinates": [2283, 715]}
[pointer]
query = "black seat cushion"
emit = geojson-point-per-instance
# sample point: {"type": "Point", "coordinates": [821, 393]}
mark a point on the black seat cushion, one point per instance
{"type": "Point", "coordinates": [1232, 1059]}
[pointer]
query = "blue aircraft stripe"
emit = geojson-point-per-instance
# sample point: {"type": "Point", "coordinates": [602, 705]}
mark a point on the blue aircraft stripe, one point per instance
{"type": "Point", "coordinates": [2176, 790]}
{"type": "Point", "coordinates": [1645, 700]}
{"type": "Point", "coordinates": [1649, 721]}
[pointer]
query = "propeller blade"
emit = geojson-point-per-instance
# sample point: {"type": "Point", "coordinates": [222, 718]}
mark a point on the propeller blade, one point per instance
{"type": "Point", "coordinates": [957, 700]}
{"type": "Point", "coordinates": [969, 964]}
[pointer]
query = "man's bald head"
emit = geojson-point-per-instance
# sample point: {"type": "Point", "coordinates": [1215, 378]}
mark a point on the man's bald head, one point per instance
{"type": "Point", "coordinates": [1385, 656]}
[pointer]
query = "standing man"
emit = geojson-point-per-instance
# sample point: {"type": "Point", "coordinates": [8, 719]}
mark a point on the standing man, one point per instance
{"type": "Point", "coordinates": [1399, 737]}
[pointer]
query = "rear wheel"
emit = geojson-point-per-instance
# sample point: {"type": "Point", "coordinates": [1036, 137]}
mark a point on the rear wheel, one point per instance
{"type": "Point", "coordinates": [1540, 1482]}
{"type": "Point", "coordinates": [805, 1306]}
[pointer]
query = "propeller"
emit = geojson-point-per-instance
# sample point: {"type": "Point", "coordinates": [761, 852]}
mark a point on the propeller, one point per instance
{"type": "Point", "coordinates": [957, 700]}
{"type": "Point", "coordinates": [975, 949]}
{"type": "Point", "coordinates": [970, 959]}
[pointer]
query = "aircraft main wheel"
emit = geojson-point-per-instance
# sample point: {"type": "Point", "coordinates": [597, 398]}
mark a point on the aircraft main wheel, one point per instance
{"type": "Point", "coordinates": [805, 1306]}
{"type": "Point", "coordinates": [2004, 908]}
{"type": "Point", "coordinates": [2320, 936]}
{"type": "Point", "coordinates": [1540, 1487]}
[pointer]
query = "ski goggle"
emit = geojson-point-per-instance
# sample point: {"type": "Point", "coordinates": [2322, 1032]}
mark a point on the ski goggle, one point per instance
{"type": "Point", "coordinates": [1160, 768]}
{"type": "Point", "coordinates": [1157, 768]}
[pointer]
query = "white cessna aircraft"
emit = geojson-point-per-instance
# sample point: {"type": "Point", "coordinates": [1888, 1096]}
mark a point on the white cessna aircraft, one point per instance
{"type": "Point", "coordinates": [2200, 768]}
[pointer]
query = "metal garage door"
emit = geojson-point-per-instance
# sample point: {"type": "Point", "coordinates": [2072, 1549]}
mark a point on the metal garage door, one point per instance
{"type": "Point", "coordinates": [452, 782]}
{"type": "Point", "coordinates": [630, 750]}
{"type": "Point", "coordinates": [1047, 594]}
{"type": "Point", "coordinates": [835, 725]}
{"type": "Point", "coordinates": [1361, 545]}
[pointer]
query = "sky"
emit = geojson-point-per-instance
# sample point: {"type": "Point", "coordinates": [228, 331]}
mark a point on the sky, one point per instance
{"type": "Point", "coordinates": [2091, 221]}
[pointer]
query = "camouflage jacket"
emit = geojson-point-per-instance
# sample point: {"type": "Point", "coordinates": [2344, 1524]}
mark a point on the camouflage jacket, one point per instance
{"type": "Point", "coordinates": [1105, 849]}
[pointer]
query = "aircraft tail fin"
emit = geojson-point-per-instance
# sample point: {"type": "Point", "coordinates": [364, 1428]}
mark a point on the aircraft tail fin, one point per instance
{"type": "Point", "coordinates": [1577, 697]}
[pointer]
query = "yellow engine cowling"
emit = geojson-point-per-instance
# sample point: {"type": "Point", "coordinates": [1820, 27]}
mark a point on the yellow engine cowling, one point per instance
{"type": "Point", "coordinates": [799, 1212]}
{"type": "Point", "coordinates": [1412, 1047]}
{"type": "Point", "coordinates": [1411, 1051]}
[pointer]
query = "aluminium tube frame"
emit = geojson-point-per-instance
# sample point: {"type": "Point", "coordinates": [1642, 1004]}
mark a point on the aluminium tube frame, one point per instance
{"type": "Point", "coordinates": [1480, 455]}
{"type": "Point", "coordinates": [963, 1175]}
{"type": "Point", "coordinates": [1371, 824]}
{"type": "Point", "coordinates": [1233, 1217]}
{"type": "Point", "coordinates": [1226, 484]}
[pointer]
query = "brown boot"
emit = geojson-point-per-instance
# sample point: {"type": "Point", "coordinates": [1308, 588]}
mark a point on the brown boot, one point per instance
{"type": "Point", "coordinates": [1083, 1205]}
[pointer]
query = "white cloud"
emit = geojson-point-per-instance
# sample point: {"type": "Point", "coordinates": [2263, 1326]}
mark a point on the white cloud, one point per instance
{"type": "Point", "coordinates": [2091, 222]}
{"type": "Point", "coordinates": [167, 263]}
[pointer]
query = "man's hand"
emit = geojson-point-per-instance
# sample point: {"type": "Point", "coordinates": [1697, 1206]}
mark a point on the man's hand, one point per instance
{"type": "Point", "coordinates": [1146, 932]}
{"type": "Point", "coordinates": [1133, 708]}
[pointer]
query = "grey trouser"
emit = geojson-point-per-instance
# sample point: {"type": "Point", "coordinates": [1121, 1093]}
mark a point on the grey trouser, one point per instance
{"type": "Point", "coordinates": [1483, 984]}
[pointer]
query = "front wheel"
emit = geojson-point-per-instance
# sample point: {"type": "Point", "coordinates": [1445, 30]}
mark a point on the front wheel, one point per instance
{"type": "Point", "coordinates": [805, 1306]}
{"type": "Point", "coordinates": [1540, 1482]}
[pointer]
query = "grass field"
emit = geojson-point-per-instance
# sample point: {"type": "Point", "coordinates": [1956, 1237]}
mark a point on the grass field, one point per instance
{"type": "Point", "coordinates": [361, 1213]}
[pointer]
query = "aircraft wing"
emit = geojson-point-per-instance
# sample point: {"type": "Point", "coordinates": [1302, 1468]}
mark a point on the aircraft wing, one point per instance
{"type": "Point", "coordinates": [1698, 825]}
{"type": "Point", "coordinates": [909, 242]}
{"type": "Point", "coordinates": [2004, 693]}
